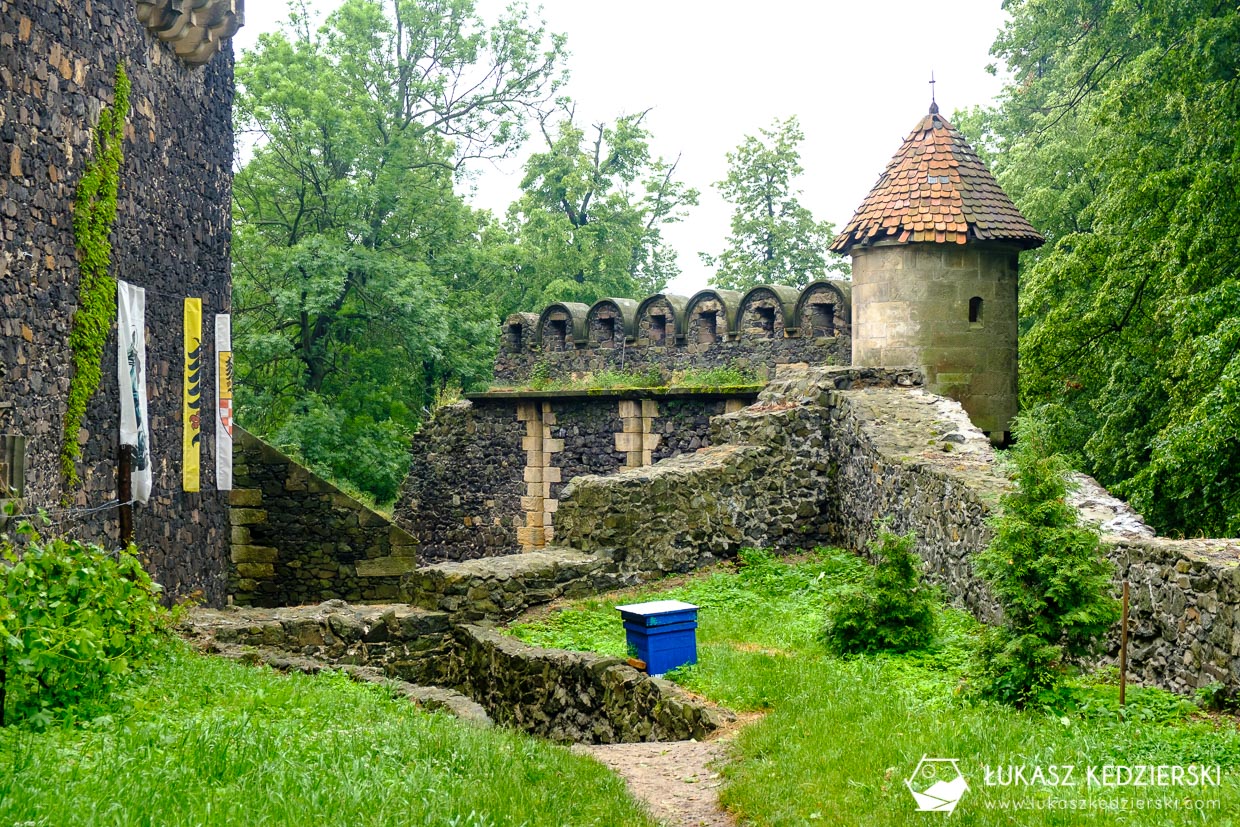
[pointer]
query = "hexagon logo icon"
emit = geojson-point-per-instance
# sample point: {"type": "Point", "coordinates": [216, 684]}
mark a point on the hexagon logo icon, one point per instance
{"type": "Point", "coordinates": [937, 784]}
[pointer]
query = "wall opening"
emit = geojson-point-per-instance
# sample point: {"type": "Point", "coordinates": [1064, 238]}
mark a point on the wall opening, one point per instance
{"type": "Point", "coordinates": [822, 319]}
{"type": "Point", "coordinates": [975, 310]}
{"type": "Point", "coordinates": [658, 329]}
{"type": "Point", "coordinates": [708, 329]}
{"type": "Point", "coordinates": [514, 338]}
{"type": "Point", "coordinates": [559, 333]}
{"type": "Point", "coordinates": [766, 321]}
{"type": "Point", "coordinates": [607, 331]}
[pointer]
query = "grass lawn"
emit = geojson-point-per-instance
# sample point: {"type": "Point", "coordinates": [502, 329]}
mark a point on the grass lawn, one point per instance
{"type": "Point", "coordinates": [843, 734]}
{"type": "Point", "coordinates": [202, 741]}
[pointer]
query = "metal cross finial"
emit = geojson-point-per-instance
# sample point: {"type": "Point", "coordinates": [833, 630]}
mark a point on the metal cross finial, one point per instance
{"type": "Point", "coordinates": [934, 107]}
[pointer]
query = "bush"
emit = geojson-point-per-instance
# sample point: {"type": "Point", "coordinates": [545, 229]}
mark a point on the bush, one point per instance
{"type": "Point", "coordinates": [73, 619]}
{"type": "Point", "coordinates": [1047, 572]}
{"type": "Point", "coordinates": [889, 608]}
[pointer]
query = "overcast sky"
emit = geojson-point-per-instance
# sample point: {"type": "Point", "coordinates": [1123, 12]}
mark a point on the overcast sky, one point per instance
{"type": "Point", "coordinates": [855, 74]}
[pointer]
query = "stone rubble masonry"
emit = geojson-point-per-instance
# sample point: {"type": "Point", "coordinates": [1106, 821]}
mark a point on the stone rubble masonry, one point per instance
{"type": "Point", "coordinates": [486, 474]}
{"type": "Point", "coordinates": [497, 589]}
{"type": "Point", "coordinates": [765, 328]}
{"type": "Point", "coordinates": [563, 696]}
{"type": "Point", "coordinates": [821, 456]}
{"type": "Point", "coordinates": [298, 539]}
{"type": "Point", "coordinates": [171, 236]}
{"type": "Point", "coordinates": [572, 697]}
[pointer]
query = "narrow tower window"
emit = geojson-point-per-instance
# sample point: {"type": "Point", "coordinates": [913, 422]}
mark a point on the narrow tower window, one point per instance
{"type": "Point", "coordinates": [607, 331]}
{"type": "Point", "coordinates": [658, 329]}
{"type": "Point", "coordinates": [708, 332]}
{"type": "Point", "coordinates": [766, 321]}
{"type": "Point", "coordinates": [822, 319]}
{"type": "Point", "coordinates": [514, 338]}
{"type": "Point", "coordinates": [975, 310]}
{"type": "Point", "coordinates": [559, 333]}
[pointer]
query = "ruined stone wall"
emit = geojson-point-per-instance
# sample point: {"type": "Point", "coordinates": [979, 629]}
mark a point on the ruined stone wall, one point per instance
{"type": "Point", "coordinates": [171, 236]}
{"type": "Point", "coordinates": [486, 475]}
{"type": "Point", "coordinates": [297, 539]}
{"type": "Point", "coordinates": [571, 696]}
{"type": "Point", "coordinates": [821, 456]}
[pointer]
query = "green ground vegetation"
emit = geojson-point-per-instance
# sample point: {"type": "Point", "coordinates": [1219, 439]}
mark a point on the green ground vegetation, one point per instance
{"type": "Point", "coordinates": [842, 733]}
{"type": "Point", "coordinates": [195, 740]}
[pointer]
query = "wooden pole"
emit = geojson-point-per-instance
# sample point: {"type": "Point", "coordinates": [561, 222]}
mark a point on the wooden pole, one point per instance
{"type": "Point", "coordinates": [1123, 646]}
{"type": "Point", "coordinates": [124, 494]}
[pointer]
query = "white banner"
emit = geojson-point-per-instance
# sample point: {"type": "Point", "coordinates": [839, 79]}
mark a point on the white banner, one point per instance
{"type": "Point", "coordinates": [223, 402]}
{"type": "Point", "coordinates": [131, 377]}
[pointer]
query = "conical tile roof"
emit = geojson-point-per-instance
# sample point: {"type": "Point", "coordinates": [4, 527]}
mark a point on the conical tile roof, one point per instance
{"type": "Point", "coordinates": [936, 189]}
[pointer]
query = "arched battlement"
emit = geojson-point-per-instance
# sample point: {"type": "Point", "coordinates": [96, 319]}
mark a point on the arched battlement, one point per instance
{"type": "Point", "coordinates": [766, 311]}
{"type": "Point", "coordinates": [612, 322]}
{"type": "Point", "coordinates": [562, 326]}
{"type": "Point", "coordinates": [661, 320]}
{"type": "Point", "coordinates": [825, 309]}
{"type": "Point", "coordinates": [711, 315]}
{"type": "Point", "coordinates": [520, 333]}
{"type": "Point", "coordinates": [755, 331]}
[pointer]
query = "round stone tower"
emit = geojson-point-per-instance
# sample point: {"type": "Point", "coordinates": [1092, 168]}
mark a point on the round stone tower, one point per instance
{"type": "Point", "coordinates": [934, 260]}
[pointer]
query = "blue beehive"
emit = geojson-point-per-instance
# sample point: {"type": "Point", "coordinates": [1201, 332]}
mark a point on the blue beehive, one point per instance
{"type": "Point", "coordinates": [663, 633]}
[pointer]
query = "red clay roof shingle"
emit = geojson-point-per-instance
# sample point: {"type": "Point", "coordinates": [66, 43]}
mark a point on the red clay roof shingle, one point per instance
{"type": "Point", "coordinates": [936, 189]}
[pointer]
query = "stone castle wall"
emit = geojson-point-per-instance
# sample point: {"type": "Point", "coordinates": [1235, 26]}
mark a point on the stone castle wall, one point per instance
{"type": "Point", "coordinates": [297, 539]}
{"type": "Point", "coordinates": [171, 236]}
{"type": "Point", "coordinates": [949, 309]}
{"type": "Point", "coordinates": [753, 332]}
{"type": "Point", "coordinates": [486, 474]}
{"type": "Point", "coordinates": [845, 453]}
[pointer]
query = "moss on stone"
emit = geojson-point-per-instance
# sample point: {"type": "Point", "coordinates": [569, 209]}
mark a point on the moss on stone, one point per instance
{"type": "Point", "coordinates": [93, 216]}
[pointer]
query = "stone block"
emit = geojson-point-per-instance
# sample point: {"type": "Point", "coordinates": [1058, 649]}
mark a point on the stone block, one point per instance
{"type": "Point", "coordinates": [253, 554]}
{"type": "Point", "coordinates": [527, 411]}
{"type": "Point", "coordinates": [629, 442]}
{"type": "Point", "coordinates": [239, 535]}
{"type": "Point", "coordinates": [531, 503]}
{"type": "Point", "coordinates": [247, 516]}
{"type": "Point", "coordinates": [650, 408]}
{"type": "Point", "coordinates": [551, 474]}
{"type": "Point", "coordinates": [533, 473]}
{"type": "Point", "coordinates": [630, 408]}
{"type": "Point", "coordinates": [551, 446]}
{"type": "Point", "coordinates": [249, 497]}
{"type": "Point", "coordinates": [386, 566]}
{"type": "Point", "coordinates": [256, 571]}
{"type": "Point", "coordinates": [531, 443]}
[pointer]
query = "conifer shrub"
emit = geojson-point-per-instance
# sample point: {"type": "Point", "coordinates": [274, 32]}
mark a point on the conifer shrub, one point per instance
{"type": "Point", "coordinates": [889, 608]}
{"type": "Point", "coordinates": [1049, 575]}
{"type": "Point", "coordinates": [74, 618]}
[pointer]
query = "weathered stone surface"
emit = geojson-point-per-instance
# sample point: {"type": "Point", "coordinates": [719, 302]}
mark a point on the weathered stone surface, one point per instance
{"type": "Point", "coordinates": [572, 696]}
{"type": "Point", "coordinates": [316, 542]}
{"type": "Point", "coordinates": [500, 588]}
{"type": "Point", "coordinates": [486, 475]}
{"type": "Point", "coordinates": [171, 237]}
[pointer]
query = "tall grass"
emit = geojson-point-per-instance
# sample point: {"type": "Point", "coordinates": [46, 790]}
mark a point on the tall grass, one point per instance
{"type": "Point", "coordinates": [202, 741]}
{"type": "Point", "coordinates": [842, 733]}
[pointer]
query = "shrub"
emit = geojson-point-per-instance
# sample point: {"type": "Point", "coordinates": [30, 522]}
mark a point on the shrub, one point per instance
{"type": "Point", "coordinates": [1047, 572]}
{"type": "Point", "coordinates": [73, 619]}
{"type": "Point", "coordinates": [889, 608]}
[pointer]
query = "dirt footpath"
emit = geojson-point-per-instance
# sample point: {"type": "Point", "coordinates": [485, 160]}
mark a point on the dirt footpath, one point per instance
{"type": "Point", "coordinates": [678, 780]}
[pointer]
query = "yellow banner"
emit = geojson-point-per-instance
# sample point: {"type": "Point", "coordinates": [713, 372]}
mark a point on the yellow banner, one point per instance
{"type": "Point", "coordinates": [191, 408]}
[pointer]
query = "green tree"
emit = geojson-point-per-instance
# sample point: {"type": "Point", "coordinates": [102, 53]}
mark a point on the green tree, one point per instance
{"type": "Point", "coordinates": [774, 239]}
{"type": "Point", "coordinates": [355, 260]}
{"type": "Point", "coordinates": [1048, 573]}
{"type": "Point", "coordinates": [890, 608]}
{"type": "Point", "coordinates": [1118, 139]}
{"type": "Point", "coordinates": [590, 218]}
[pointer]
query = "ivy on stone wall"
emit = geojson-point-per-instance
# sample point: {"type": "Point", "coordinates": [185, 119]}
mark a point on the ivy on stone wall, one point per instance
{"type": "Point", "coordinates": [93, 216]}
